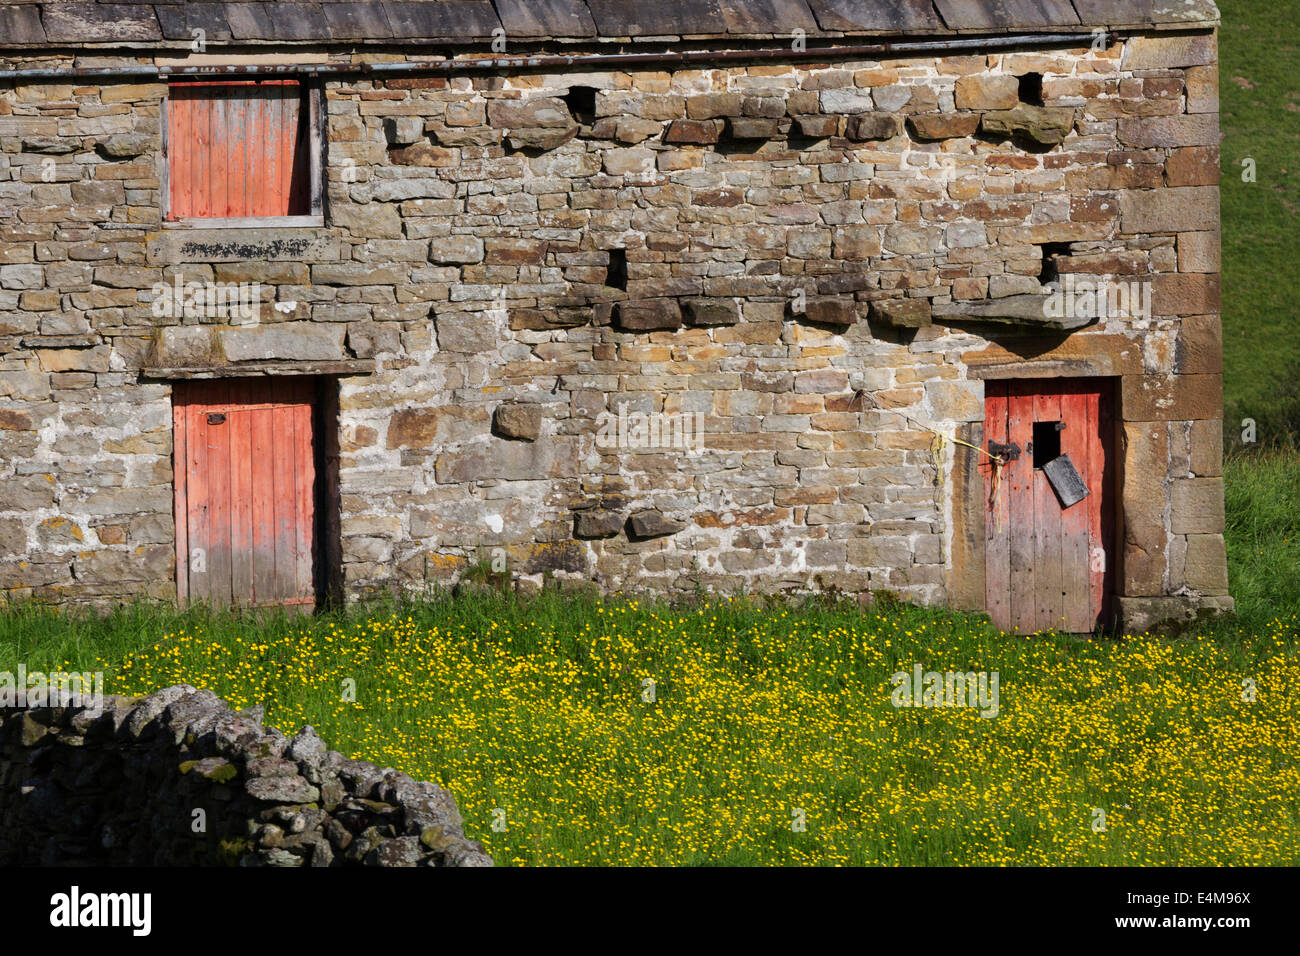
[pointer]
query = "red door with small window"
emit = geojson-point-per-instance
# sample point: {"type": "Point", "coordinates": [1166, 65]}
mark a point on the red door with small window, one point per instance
{"type": "Point", "coordinates": [1050, 505]}
{"type": "Point", "coordinates": [245, 474]}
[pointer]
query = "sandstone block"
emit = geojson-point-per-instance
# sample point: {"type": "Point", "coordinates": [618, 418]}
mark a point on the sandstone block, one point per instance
{"type": "Point", "coordinates": [856, 242]}
{"type": "Point", "coordinates": [1202, 83]}
{"type": "Point", "coordinates": [1045, 126]}
{"type": "Point", "coordinates": [466, 332]}
{"type": "Point", "coordinates": [902, 313]}
{"type": "Point", "coordinates": [955, 401]}
{"type": "Point", "coordinates": [404, 130]}
{"type": "Point", "coordinates": [647, 315]}
{"type": "Point", "coordinates": [1175, 293]}
{"type": "Point", "coordinates": [711, 312]}
{"type": "Point", "coordinates": [597, 524]}
{"type": "Point", "coordinates": [936, 126]}
{"type": "Point", "coordinates": [817, 125]}
{"type": "Point", "coordinates": [635, 129]}
{"type": "Point", "coordinates": [507, 461]}
{"type": "Point", "coordinates": [368, 220]}
{"type": "Point", "coordinates": [27, 494]}
{"type": "Point", "coordinates": [698, 132]}
{"type": "Point", "coordinates": [654, 524]}
{"type": "Point", "coordinates": [428, 427]}
{"type": "Point", "coordinates": [837, 311]}
{"type": "Point", "coordinates": [1206, 567]}
{"type": "Point", "coordinates": [126, 145]}
{"type": "Point", "coordinates": [1149, 132]}
{"type": "Point", "coordinates": [456, 250]}
{"type": "Point", "coordinates": [714, 105]}
{"type": "Point", "coordinates": [867, 126]}
{"type": "Point", "coordinates": [1206, 448]}
{"type": "Point", "coordinates": [1198, 252]}
{"type": "Point", "coordinates": [519, 421]}
{"type": "Point", "coordinates": [821, 381]}
{"type": "Point", "coordinates": [1196, 506]}
{"type": "Point", "coordinates": [1163, 398]}
{"type": "Point", "coordinates": [847, 100]}
{"type": "Point", "coordinates": [629, 162]}
{"type": "Point", "coordinates": [1175, 209]}
{"type": "Point", "coordinates": [983, 92]}
{"type": "Point", "coordinates": [751, 127]}
{"type": "Point", "coordinates": [185, 346]}
{"type": "Point", "coordinates": [1193, 166]}
{"type": "Point", "coordinates": [1168, 52]}
{"type": "Point", "coordinates": [1146, 454]}
{"type": "Point", "coordinates": [554, 318]}
{"type": "Point", "coordinates": [1199, 346]}
{"type": "Point", "coordinates": [514, 252]}
{"type": "Point", "coordinates": [294, 341]}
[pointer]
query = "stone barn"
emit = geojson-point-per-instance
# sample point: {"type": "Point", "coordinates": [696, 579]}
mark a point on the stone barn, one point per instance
{"type": "Point", "coordinates": [305, 301]}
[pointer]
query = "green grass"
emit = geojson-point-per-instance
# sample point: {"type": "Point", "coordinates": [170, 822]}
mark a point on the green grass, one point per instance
{"type": "Point", "coordinates": [537, 710]}
{"type": "Point", "coordinates": [1259, 102]}
{"type": "Point", "coordinates": [1262, 491]}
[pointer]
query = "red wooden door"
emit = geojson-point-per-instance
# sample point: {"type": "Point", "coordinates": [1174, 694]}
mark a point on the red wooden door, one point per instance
{"type": "Point", "coordinates": [1047, 565]}
{"type": "Point", "coordinates": [245, 468]}
{"type": "Point", "coordinates": [237, 149]}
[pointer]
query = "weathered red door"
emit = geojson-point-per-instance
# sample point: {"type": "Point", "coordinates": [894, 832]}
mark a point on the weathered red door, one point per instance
{"type": "Point", "coordinates": [1048, 564]}
{"type": "Point", "coordinates": [245, 473]}
{"type": "Point", "coordinates": [237, 148]}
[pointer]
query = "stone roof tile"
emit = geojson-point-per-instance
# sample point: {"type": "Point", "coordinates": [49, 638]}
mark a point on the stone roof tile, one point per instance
{"type": "Point", "coordinates": [179, 21]}
{"type": "Point", "coordinates": [135, 23]}
{"type": "Point", "coordinates": [446, 19]}
{"type": "Point", "coordinates": [364, 20]}
{"type": "Point", "coordinates": [616, 18]}
{"type": "Point", "coordinates": [546, 18]}
{"type": "Point", "coordinates": [102, 22]}
{"type": "Point", "coordinates": [21, 24]}
{"type": "Point", "coordinates": [768, 16]}
{"type": "Point", "coordinates": [987, 15]}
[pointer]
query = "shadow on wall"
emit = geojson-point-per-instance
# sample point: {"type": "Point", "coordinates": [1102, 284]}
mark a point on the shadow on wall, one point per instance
{"type": "Point", "coordinates": [178, 778]}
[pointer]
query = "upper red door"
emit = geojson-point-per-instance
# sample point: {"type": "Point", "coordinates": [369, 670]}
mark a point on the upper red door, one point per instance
{"type": "Point", "coordinates": [245, 467]}
{"type": "Point", "coordinates": [1049, 565]}
{"type": "Point", "coordinates": [237, 149]}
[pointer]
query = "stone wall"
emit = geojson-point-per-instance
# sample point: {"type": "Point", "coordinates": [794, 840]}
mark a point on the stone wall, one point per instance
{"type": "Point", "coordinates": [125, 784]}
{"type": "Point", "coordinates": [822, 260]}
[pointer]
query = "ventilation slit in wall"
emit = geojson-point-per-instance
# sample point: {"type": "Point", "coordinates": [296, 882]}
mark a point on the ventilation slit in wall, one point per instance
{"type": "Point", "coordinates": [616, 273]}
{"type": "Point", "coordinates": [1049, 271]}
{"type": "Point", "coordinates": [581, 101]}
{"type": "Point", "coordinates": [1031, 88]}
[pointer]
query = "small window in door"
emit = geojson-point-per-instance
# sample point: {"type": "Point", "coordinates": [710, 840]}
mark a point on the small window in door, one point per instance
{"type": "Point", "coordinates": [1047, 442]}
{"type": "Point", "coordinates": [242, 152]}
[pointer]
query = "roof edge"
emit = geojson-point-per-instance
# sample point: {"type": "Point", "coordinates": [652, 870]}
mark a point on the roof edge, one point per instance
{"type": "Point", "coordinates": [497, 25]}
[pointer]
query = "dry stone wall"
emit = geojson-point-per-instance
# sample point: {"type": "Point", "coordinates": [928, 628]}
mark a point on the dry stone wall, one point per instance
{"type": "Point", "coordinates": [177, 778]}
{"type": "Point", "coordinates": [812, 262]}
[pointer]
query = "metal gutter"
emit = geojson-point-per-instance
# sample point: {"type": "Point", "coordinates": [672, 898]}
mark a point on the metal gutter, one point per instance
{"type": "Point", "coordinates": [503, 63]}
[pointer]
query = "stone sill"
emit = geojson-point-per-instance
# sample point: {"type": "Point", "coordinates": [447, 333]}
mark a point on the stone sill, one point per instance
{"type": "Point", "coordinates": [346, 367]}
{"type": "Point", "coordinates": [194, 241]}
{"type": "Point", "coordinates": [247, 222]}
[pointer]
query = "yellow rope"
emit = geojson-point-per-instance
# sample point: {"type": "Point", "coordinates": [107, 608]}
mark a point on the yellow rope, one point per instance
{"type": "Point", "coordinates": [936, 449]}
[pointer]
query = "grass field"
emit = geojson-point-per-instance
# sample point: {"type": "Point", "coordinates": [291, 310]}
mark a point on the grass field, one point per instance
{"type": "Point", "coordinates": [765, 716]}
{"type": "Point", "coordinates": [1259, 100]}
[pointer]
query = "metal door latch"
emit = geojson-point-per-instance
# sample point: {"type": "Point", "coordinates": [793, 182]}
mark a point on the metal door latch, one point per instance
{"type": "Point", "coordinates": [1007, 452]}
